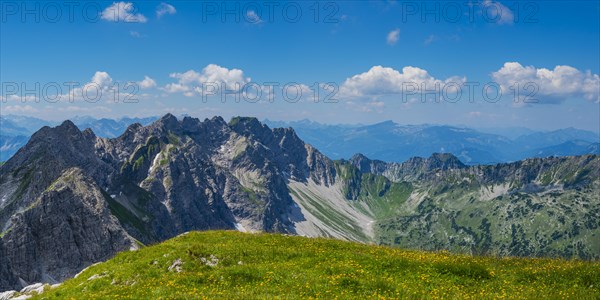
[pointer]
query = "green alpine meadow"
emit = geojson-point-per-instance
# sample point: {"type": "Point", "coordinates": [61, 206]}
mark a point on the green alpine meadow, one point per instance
{"type": "Point", "coordinates": [234, 265]}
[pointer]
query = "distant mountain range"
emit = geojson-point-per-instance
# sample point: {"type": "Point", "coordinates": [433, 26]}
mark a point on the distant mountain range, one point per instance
{"type": "Point", "coordinates": [386, 141]}
{"type": "Point", "coordinates": [393, 142]}
{"type": "Point", "coordinates": [69, 198]}
{"type": "Point", "coordinates": [16, 130]}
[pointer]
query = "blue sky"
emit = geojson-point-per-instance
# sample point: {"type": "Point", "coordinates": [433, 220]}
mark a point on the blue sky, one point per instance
{"type": "Point", "coordinates": [371, 51]}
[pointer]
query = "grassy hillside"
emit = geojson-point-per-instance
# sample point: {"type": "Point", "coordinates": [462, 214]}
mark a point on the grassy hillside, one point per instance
{"type": "Point", "coordinates": [532, 208]}
{"type": "Point", "coordinates": [233, 265]}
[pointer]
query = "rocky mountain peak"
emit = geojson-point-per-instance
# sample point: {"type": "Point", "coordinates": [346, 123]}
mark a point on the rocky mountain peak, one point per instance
{"type": "Point", "coordinates": [168, 122]}
{"type": "Point", "coordinates": [367, 165]}
{"type": "Point", "coordinates": [358, 157]}
{"type": "Point", "coordinates": [65, 143]}
{"type": "Point", "coordinates": [249, 126]}
{"type": "Point", "coordinates": [133, 127]}
{"type": "Point", "coordinates": [216, 123]}
{"type": "Point", "coordinates": [444, 161]}
{"type": "Point", "coordinates": [168, 117]}
{"type": "Point", "coordinates": [66, 130]}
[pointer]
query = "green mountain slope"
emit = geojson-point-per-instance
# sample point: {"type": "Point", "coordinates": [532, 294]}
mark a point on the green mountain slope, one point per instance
{"type": "Point", "coordinates": [532, 208]}
{"type": "Point", "coordinates": [233, 265]}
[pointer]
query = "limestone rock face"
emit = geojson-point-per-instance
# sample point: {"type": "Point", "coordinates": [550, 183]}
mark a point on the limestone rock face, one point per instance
{"type": "Point", "coordinates": [69, 198]}
{"type": "Point", "coordinates": [67, 228]}
{"type": "Point", "coordinates": [7, 277]}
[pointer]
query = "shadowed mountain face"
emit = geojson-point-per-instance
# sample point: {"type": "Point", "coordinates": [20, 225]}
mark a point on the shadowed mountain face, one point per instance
{"type": "Point", "coordinates": [69, 198]}
{"type": "Point", "coordinates": [157, 181]}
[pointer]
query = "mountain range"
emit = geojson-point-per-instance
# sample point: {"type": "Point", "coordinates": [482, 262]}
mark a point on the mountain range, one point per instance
{"type": "Point", "coordinates": [386, 141]}
{"type": "Point", "coordinates": [70, 198]}
{"type": "Point", "coordinates": [393, 142]}
{"type": "Point", "coordinates": [16, 130]}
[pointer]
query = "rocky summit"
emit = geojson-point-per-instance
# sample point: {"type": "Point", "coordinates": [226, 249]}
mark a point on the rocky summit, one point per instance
{"type": "Point", "coordinates": [69, 198]}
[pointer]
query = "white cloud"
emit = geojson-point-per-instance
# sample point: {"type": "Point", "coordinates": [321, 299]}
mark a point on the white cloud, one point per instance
{"type": "Point", "coordinates": [101, 79]}
{"type": "Point", "coordinates": [123, 12]}
{"type": "Point", "coordinates": [382, 80]}
{"type": "Point", "coordinates": [497, 12]}
{"type": "Point", "coordinates": [393, 36]}
{"type": "Point", "coordinates": [11, 109]}
{"type": "Point", "coordinates": [177, 88]}
{"type": "Point", "coordinates": [135, 34]}
{"type": "Point", "coordinates": [165, 9]}
{"type": "Point", "coordinates": [99, 86]}
{"type": "Point", "coordinates": [556, 85]}
{"type": "Point", "coordinates": [19, 98]}
{"type": "Point", "coordinates": [147, 83]}
{"type": "Point", "coordinates": [192, 81]}
{"type": "Point", "coordinates": [252, 17]}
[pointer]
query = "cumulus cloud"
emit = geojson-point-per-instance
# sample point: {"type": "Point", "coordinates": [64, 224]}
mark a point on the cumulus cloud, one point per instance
{"type": "Point", "coordinates": [101, 79]}
{"type": "Point", "coordinates": [122, 12]}
{"type": "Point", "coordinates": [383, 80]}
{"type": "Point", "coordinates": [554, 85]}
{"type": "Point", "coordinates": [100, 85]}
{"type": "Point", "coordinates": [165, 9]}
{"type": "Point", "coordinates": [147, 83]}
{"type": "Point", "coordinates": [191, 82]}
{"type": "Point", "coordinates": [393, 36]}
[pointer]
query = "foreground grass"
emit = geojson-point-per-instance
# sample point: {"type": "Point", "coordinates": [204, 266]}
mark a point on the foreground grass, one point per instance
{"type": "Point", "coordinates": [233, 265]}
